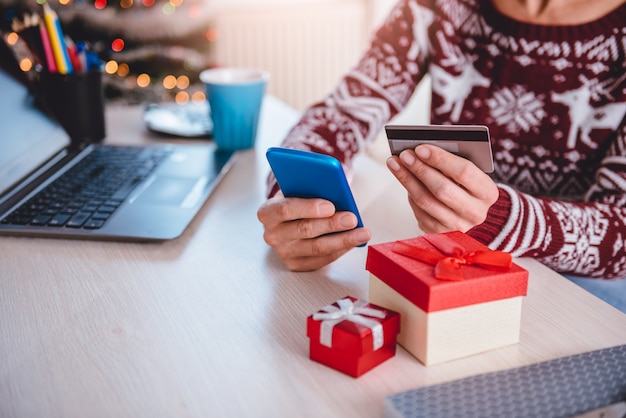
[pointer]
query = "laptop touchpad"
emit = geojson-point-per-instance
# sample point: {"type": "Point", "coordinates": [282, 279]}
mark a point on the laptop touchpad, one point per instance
{"type": "Point", "coordinates": [165, 190]}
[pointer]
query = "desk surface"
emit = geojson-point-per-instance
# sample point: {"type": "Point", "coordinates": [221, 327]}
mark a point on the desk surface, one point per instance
{"type": "Point", "coordinates": [211, 324]}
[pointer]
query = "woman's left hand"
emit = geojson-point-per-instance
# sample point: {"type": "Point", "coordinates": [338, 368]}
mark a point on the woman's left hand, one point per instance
{"type": "Point", "coordinates": [446, 192]}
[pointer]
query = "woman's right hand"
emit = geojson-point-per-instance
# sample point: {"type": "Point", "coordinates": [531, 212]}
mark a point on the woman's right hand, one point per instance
{"type": "Point", "coordinates": [308, 234]}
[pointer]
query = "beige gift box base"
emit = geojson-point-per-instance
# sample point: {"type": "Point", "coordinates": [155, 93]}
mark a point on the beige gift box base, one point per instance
{"type": "Point", "coordinates": [441, 336]}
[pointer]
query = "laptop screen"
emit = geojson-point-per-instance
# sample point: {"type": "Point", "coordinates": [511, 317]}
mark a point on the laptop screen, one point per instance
{"type": "Point", "coordinates": [28, 137]}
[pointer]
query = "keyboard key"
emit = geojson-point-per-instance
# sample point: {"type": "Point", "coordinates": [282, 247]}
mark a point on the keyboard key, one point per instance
{"type": "Point", "coordinates": [107, 209]}
{"type": "Point", "coordinates": [103, 216]}
{"type": "Point", "coordinates": [78, 219]}
{"type": "Point", "coordinates": [41, 220]}
{"type": "Point", "coordinates": [93, 224]}
{"type": "Point", "coordinates": [90, 208]}
{"type": "Point", "coordinates": [59, 220]}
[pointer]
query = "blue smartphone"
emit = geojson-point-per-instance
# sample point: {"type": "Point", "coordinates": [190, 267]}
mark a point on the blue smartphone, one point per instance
{"type": "Point", "coordinates": [311, 175]}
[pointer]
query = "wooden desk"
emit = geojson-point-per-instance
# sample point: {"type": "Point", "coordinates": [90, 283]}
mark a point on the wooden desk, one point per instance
{"type": "Point", "coordinates": [211, 324]}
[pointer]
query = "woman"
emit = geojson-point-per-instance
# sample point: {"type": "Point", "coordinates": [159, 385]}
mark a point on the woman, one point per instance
{"type": "Point", "coordinates": [547, 77]}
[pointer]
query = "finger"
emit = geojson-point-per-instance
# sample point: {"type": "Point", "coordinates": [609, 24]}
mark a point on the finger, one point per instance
{"type": "Point", "coordinates": [316, 252]}
{"type": "Point", "coordinates": [408, 172]}
{"type": "Point", "coordinates": [461, 170]}
{"type": "Point", "coordinates": [470, 192]}
{"type": "Point", "coordinates": [446, 189]}
{"type": "Point", "coordinates": [432, 205]}
{"type": "Point", "coordinates": [279, 209]}
{"type": "Point", "coordinates": [431, 225]}
{"type": "Point", "coordinates": [311, 263]}
{"type": "Point", "coordinates": [311, 228]}
{"type": "Point", "coordinates": [406, 177]}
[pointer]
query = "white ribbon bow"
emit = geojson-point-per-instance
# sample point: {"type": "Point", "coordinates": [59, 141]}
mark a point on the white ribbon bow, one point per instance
{"type": "Point", "coordinates": [350, 311]}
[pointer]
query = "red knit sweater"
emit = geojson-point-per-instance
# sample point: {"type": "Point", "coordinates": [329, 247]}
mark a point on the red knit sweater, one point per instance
{"type": "Point", "coordinates": [554, 98]}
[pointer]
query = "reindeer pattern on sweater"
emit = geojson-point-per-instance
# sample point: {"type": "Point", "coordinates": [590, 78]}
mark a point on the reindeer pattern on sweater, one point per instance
{"type": "Point", "coordinates": [554, 98]}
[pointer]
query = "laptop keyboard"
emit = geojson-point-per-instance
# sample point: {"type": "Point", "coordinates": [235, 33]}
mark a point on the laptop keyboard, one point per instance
{"type": "Point", "coordinates": [91, 191]}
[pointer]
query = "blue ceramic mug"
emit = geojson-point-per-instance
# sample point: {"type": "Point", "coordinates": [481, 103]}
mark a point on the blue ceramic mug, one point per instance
{"type": "Point", "coordinates": [235, 96]}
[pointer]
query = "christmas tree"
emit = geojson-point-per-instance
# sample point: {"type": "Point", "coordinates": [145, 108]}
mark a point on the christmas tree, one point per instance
{"type": "Point", "coordinates": [152, 50]}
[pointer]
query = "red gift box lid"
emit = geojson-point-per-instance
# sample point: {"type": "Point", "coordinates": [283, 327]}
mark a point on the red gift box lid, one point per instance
{"type": "Point", "coordinates": [415, 280]}
{"type": "Point", "coordinates": [357, 338]}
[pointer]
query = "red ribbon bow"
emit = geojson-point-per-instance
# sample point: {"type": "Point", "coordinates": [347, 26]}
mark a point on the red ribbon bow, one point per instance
{"type": "Point", "coordinates": [451, 256]}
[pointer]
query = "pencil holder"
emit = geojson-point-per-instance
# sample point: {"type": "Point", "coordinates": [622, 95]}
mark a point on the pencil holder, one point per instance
{"type": "Point", "coordinates": [77, 102]}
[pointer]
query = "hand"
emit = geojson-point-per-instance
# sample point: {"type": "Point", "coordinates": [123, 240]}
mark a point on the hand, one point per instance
{"type": "Point", "coordinates": [446, 192]}
{"type": "Point", "coordinates": [308, 234]}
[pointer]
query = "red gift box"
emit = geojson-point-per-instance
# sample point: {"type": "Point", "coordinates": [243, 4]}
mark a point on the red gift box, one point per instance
{"type": "Point", "coordinates": [416, 280]}
{"type": "Point", "coordinates": [456, 297]}
{"type": "Point", "coordinates": [352, 336]}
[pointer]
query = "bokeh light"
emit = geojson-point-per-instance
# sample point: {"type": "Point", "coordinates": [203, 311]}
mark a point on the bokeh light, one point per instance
{"type": "Point", "coordinates": [168, 9]}
{"type": "Point", "coordinates": [117, 45]}
{"type": "Point", "coordinates": [100, 4]}
{"type": "Point", "coordinates": [110, 67]}
{"type": "Point", "coordinates": [169, 82]}
{"type": "Point", "coordinates": [143, 80]}
{"type": "Point", "coordinates": [198, 97]}
{"type": "Point", "coordinates": [182, 82]}
{"type": "Point", "coordinates": [12, 38]}
{"type": "Point", "coordinates": [211, 35]}
{"type": "Point", "coordinates": [181, 97]}
{"type": "Point", "coordinates": [26, 64]}
{"type": "Point", "coordinates": [123, 70]}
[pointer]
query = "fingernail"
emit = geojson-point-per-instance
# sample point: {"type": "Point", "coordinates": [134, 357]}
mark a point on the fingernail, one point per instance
{"type": "Point", "coordinates": [407, 157]}
{"type": "Point", "coordinates": [362, 235]}
{"type": "Point", "coordinates": [393, 164]}
{"type": "Point", "coordinates": [347, 221]}
{"type": "Point", "coordinates": [423, 153]}
{"type": "Point", "coordinates": [326, 209]}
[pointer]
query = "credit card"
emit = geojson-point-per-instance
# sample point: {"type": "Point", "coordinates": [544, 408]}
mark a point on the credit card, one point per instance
{"type": "Point", "coordinates": [468, 141]}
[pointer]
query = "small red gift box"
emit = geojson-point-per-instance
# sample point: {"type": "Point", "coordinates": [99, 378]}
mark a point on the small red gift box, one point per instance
{"type": "Point", "coordinates": [456, 297]}
{"type": "Point", "coordinates": [352, 336]}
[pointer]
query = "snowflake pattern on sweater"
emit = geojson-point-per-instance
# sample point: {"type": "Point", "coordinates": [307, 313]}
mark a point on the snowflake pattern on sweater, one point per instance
{"type": "Point", "coordinates": [554, 98]}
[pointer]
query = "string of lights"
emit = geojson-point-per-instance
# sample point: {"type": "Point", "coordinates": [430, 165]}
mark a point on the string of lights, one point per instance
{"type": "Point", "coordinates": [153, 50]}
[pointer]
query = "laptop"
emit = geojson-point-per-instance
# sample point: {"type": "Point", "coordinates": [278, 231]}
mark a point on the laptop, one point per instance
{"type": "Point", "coordinates": [155, 199]}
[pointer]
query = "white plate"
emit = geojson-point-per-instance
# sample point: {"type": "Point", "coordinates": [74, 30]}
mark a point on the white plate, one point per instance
{"type": "Point", "coordinates": [188, 120]}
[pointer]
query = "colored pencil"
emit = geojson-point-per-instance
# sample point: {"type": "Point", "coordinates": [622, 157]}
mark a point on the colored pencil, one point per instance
{"type": "Point", "coordinates": [57, 40]}
{"type": "Point", "coordinates": [47, 48]}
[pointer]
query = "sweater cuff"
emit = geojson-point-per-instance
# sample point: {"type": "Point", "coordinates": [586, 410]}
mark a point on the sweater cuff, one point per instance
{"type": "Point", "coordinates": [272, 185]}
{"type": "Point", "coordinates": [497, 217]}
{"type": "Point", "coordinates": [273, 190]}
